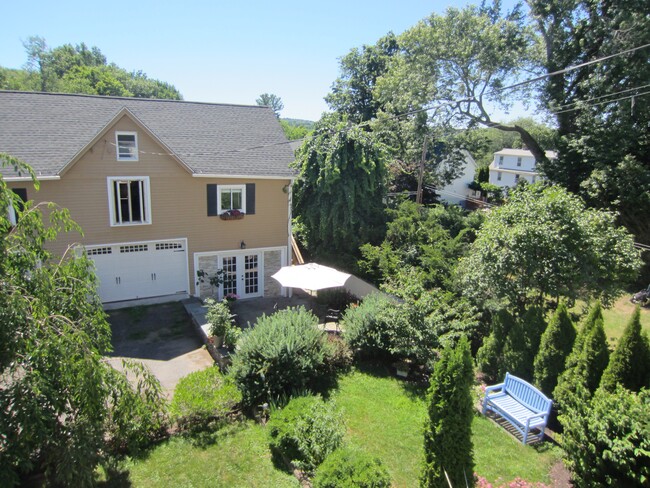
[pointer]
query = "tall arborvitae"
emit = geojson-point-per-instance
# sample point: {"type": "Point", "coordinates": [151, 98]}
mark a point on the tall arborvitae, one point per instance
{"type": "Point", "coordinates": [630, 362]}
{"type": "Point", "coordinates": [588, 359]}
{"type": "Point", "coordinates": [555, 346]}
{"type": "Point", "coordinates": [448, 431]}
{"type": "Point", "coordinates": [488, 357]}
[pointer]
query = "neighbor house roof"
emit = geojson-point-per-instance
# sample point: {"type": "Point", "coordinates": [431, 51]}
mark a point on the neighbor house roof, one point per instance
{"type": "Point", "coordinates": [48, 131]}
{"type": "Point", "coordinates": [523, 153]}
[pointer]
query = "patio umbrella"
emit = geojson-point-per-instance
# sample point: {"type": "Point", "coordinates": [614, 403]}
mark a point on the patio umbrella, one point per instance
{"type": "Point", "coordinates": [310, 276]}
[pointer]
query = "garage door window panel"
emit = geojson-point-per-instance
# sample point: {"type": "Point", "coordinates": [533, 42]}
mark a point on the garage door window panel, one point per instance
{"type": "Point", "coordinates": [129, 201]}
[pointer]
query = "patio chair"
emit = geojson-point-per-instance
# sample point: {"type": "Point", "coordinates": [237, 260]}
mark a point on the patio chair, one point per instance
{"type": "Point", "coordinates": [333, 315]}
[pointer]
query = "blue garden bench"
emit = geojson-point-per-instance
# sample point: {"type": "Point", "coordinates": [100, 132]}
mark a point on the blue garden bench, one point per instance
{"type": "Point", "coordinates": [520, 403]}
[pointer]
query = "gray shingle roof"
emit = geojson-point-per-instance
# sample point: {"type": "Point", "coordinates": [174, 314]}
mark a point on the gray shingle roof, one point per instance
{"type": "Point", "coordinates": [47, 130]}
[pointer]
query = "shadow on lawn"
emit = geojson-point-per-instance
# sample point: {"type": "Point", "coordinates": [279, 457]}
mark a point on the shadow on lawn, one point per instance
{"type": "Point", "coordinates": [414, 388]}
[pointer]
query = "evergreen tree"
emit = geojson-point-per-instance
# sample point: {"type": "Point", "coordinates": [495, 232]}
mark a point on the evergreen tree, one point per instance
{"type": "Point", "coordinates": [556, 344]}
{"type": "Point", "coordinates": [448, 432]}
{"type": "Point", "coordinates": [489, 356]}
{"type": "Point", "coordinates": [630, 362]}
{"type": "Point", "coordinates": [588, 359]}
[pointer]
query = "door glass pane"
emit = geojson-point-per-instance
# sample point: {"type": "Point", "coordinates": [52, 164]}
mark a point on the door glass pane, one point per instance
{"type": "Point", "coordinates": [229, 266]}
{"type": "Point", "coordinates": [251, 274]}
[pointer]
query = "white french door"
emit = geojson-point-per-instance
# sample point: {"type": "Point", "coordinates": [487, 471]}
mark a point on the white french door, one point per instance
{"type": "Point", "coordinates": [242, 275]}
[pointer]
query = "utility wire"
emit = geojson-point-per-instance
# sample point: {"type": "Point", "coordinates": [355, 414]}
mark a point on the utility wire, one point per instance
{"type": "Point", "coordinates": [423, 109]}
{"type": "Point", "coordinates": [601, 103]}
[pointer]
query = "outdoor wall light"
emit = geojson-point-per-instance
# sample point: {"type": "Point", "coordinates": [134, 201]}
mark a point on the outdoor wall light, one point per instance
{"type": "Point", "coordinates": [242, 245]}
{"type": "Point", "coordinates": [285, 188]}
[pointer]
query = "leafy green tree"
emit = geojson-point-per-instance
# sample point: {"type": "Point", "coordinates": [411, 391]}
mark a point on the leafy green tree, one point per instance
{"type": "Point", "coordinates": [604, 146]}
{"type": "Point", "coordinates": [629, 365]}
{"type": "Point", "coordinates": [461, 60]}
{"type": "Point", "coordinates": [294, 131]}
{"type": "Point", "coordinates": [544, 244]}
{"type": "Point", "coordinates": [606, 440]}
{"type": "Point", "coordinates": [271, 100]}
{"type": "Point", "coordinates": [353, 92]}
{"type": "Point", "coordinates": [79, 69]}
{"type": "Point", "coordinates": [448, 445]}
{"type": "Point", "coordinates": [61, 406]}
{"type": "Point", "coordinates": [430, 239]}
{"type": "Point", "coordinates": [556, 345]}
{"type": "Point", "coordinates": [340, 190]}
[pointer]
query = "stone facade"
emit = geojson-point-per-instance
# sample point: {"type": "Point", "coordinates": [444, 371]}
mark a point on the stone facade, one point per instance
{"type": "Point", "coordinates": [272, 263]}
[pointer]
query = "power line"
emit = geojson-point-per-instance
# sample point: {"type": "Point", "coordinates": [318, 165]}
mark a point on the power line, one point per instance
{"type": "Point", "coordinates": [603, 96]}
{"type": "Point", "coordinates": [571, 68]}
{"type": "Point", "coordinates": [601, 103]}
{"type": "Point", "coordinates": [426, 109]}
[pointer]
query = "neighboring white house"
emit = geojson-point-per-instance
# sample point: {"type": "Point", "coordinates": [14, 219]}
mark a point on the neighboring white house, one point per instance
{"type": "Point", "coordinates": [511, 165]}
{"type": "Point", "coordinates": [457, 192]}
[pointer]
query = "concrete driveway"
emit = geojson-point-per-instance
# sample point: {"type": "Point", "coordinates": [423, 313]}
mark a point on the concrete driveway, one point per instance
{"type": "Point", "coordinates": [160, 336]}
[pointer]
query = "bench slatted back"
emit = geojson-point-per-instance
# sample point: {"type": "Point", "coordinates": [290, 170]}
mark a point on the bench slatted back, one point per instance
{"type": "Point", "coordinates": [526, 394]}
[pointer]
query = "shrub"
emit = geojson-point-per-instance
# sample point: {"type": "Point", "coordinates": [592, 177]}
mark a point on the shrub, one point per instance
{"type": "Point", "coordinates": [221, 322]}
{"type": "Point", "coordinates": [556, 344]}
{"type": "Point", "coordinates": [284, 352]}
{"type": "Point", "coordinates": [448, 431]}
{"type": "Point", "coordinates": [204, 396]}
{"type": "Point", "coordinates": [629, 365]}
{"type": "Point", "coordinates": [139, 413]}
{"type": "Point", "coordinates": [306, 431]}
{"type": "Point", "coordinates": [607, 440]}
{"type": "Point", "coordinates": [339, 356]}
{"type": "Point", "coordinates": [366, 327]}
{"type": "Point", "coordinates": [351, 467]}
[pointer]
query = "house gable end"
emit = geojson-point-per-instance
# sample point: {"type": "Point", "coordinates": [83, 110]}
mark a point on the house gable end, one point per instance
{"type": "Point", "coordinates": [105, 141]}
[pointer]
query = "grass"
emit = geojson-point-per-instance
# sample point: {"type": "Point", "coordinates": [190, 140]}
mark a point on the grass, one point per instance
{"type": "Point", "coordinates": [386, 417]}
{"type": "Point", "coordinates": [617, 316]}
{"type": "Point", "coordinates": [237, 457]}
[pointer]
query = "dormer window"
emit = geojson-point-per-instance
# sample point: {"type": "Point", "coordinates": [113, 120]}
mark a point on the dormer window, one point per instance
{"type": "Point", "coordinates": [127, 146]}
{"type": "Point", "coordinates": [500, 160]}
{"type": "Point", "coordinates": [518, 161]}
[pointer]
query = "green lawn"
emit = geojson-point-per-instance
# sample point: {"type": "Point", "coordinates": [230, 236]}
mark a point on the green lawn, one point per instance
{"type": "Point", "coordinates": [387, 420]}
{"type": "Point", "coordinates": [239, 457]}
{"type": "Point", "coordinates": [384, 415]}
{"type": "Point", "coordinates": [618, 315]}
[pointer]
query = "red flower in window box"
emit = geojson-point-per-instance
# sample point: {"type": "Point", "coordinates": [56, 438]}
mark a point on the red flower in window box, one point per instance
{"type": "Point", "coordinates": [232, 215]}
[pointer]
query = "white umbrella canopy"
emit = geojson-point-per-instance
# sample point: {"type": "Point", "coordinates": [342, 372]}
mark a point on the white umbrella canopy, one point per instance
{"type": "Point", "coordinates": [310, 276]}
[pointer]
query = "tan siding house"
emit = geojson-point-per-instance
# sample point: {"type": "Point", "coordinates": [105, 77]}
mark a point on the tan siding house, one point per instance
{"type": "Point", "coordinates": [151, 182]}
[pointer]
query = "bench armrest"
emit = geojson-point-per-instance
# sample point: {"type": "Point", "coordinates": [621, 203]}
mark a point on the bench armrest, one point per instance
{"type": "Point", "coordinates": [500, 386]}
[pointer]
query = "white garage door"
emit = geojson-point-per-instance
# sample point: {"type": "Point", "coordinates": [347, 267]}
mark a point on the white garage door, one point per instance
{"type": "Point", "coordinates": [140, 269]}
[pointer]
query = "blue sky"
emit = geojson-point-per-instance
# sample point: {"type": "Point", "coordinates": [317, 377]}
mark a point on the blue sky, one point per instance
{"type": "Point", "coordinates": [214, 51]}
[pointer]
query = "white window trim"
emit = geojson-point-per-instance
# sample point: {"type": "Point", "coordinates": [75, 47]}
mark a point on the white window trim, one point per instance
{"type": "Point", "coordinates": [111, 200]}
{"type": "Point", "coordinates": [117, 146]}
{"type": "Point", "coordinates": [231, 187]}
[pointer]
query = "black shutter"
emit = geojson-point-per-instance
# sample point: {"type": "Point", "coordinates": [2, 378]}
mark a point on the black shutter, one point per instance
{"type": "Point", "coordinates": [212, 200]}
{"type": "Point", "coordinates": [250, 198]}
{"type": "Point", "coordinates": [22, 194]}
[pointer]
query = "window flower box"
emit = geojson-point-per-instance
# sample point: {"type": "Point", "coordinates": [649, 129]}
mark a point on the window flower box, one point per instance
{"type": "Point", "coordinates": [232, 215]}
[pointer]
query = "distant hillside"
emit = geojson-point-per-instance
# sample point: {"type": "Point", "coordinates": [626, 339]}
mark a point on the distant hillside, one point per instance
{"type": "Point", "coordinates": [296, 128]}
{"type": "Point", "coordinates": [79, 69]}
{"type": "Point", "coordinates": [309, 124]}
